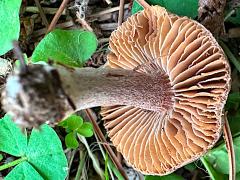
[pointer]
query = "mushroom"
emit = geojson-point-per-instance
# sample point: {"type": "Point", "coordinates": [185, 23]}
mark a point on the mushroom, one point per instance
{"type": "Point", "coordinates": [163, 91]}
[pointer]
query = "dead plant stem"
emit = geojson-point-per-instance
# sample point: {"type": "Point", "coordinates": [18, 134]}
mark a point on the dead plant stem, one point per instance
{"type": "Point", "coordinates": [121, 12]}
{"type": "Point", "coordinates": [230, 148]}
{"type": "Point", "coordinates": [100, 135]}
{"type": "Point", "coordinates": [57, 15]}
{"type": "Point", "coordinates": [42, 14]}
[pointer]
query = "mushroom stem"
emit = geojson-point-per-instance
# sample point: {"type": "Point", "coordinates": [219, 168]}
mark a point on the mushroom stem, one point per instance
{"type": "Point", "coordinates": [45, 93]}
{"type": "Point", "coordinates": [89, 87]}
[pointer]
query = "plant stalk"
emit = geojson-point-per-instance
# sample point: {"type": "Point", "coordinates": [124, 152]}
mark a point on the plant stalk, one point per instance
{"type": "Point", "coordinates": [13, 163]}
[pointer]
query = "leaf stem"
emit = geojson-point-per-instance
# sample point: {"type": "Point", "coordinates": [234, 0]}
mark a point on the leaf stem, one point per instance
{"type": "Point", "coordinates": [81, 164]}
{"type": "Point", "coordinates": [13, 163]}
{"type": "Point", "coordinates": [209, 170]}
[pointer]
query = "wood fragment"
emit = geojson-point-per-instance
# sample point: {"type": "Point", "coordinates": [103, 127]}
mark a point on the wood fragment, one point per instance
{"type": "Point", "coordinates": [234, 32]}
{"type": "Point", "coordinates": [107, 11]}
{"type": "Point", "coordinates": [230, 148]}
{"type": "Point", "coordinates": [103, 40]}
{"type": "Point", "coordinates": [42, 14]}
{"type": "Point", "coordinates": [108, 26]}
{"type": "Point", "coordinates": [211, 15]}
{"type": "Point", "coordinates": [47, 10]}
{"type": "Point", "coordinates": [108, 2]}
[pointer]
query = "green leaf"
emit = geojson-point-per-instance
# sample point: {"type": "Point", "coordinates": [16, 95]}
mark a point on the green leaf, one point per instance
{"type": "Point", "coordinates": [238, 176]}
{"type": "Point", "coordinates": [211, 171]}
{"type": "Point", "coordinates": [234, 122]}
{"type": "Point", "coordinates": [69, 47]}
{"type": "Point", "coordinates": [86, 129]}
{"type": "Point", "coordinates": [71, 141]}
{"type": "Point", "coordinates": [167, 177]}
{"type": "Point", "coordinates": [115, 170]}
{"type": "Point", "coordinates": [233, 101]}
{"type": "Point", "coordinates": [233, 108]}
{"type": "Point", "coordinates": [12, 140]}
{"type": "Point", "coordinates": [1, 157]}
{"type": "Point", "coordinates": [24, 171]}
{"type": "Point", "coordinates": [190, 167]}
{"type": "Point", "coordinates": [106, 169]}
{"type": "Point", "coordinates": [10, 24]}
{"type": "Point", "coordinates": [45, 153]}
{"type": "Point", "coordinates": [218, 157]}
{"type": "Point", "coordinates": [180, 7]}
{"type": "Point", "coordinates": [72, 123]}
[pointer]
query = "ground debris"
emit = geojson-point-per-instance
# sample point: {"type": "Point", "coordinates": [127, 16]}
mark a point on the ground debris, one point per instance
{"type": "Point", "coordinates": [211, 15]}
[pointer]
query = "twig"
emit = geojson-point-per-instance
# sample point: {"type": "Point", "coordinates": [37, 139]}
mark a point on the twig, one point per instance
{"type": "Point", "coordinates": [108, 26]}
{"type": "Point", "coordinates": [43, 17]}
{"type": "Point", "coordinates": [121, 12]}
{"type": "Point", "coordinates": [18, 53]}
{"type": "Point", "coordinates": [84, 24]}
{"type": "Point", "coordinates": [230, 148]}
{"type": "Point", "coordinates": [98, 131]}
{"type": "Point", "coordinates": [119, 156]}
{"type": "Point", "coordinates": [107, 11]}
{"type": "Point", "coordinates": [67, 24]}
{"type": "Point", "coordinates": [103, 40]}
{"type": "Point", "coordinates": [57, 15]}
{"type": "Point", "coordinates": [47, 10]}
{"type": "Point", "coordinates": [108, 2]}
{"type": "Point", "coordinates": [143, 3]}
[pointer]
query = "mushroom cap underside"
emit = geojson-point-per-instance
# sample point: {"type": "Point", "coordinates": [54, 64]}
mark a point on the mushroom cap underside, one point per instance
{"type": "Point", "coordinates": [158, 143]}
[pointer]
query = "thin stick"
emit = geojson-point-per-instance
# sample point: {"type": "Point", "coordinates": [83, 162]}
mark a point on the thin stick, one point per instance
{"type": "Point", "coordinates": [143, 3]}
{"type": "Point", "coordinates": [42, 14]}
{"type": "Point", "coordinates": [108, 2]}
{"type": "Point", "coordinates": [230, 149]}
{"type": "Point", "coordinates": [46, 10]}
{"type": "Point", "coordinates": [57, 15]}
{"type": "Point", "coordinates": [100, 135]}
{"type": "Point", "coordinates": [84, 24]}
{"type": "Point", "coordinates": [65, 25]}
{"type": "Point", "coordinates": [121, 12]}
{"type": "Point", "coordinates": [18, 53]}
{"type": "Point", "coordinates": [107, 11]}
